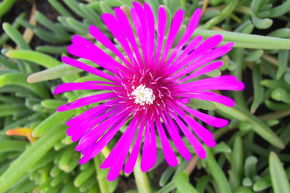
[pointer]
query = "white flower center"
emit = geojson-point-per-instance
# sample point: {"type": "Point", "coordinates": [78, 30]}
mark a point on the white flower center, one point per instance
{"type": "Point", "coordinates": [143, 95]}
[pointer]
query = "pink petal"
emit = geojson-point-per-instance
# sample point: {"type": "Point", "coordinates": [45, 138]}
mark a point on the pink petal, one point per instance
{"type": "Point", "coordinates": [169, 154]}
{"type": "Point", "coordinates": [117, 31]}
{"type": "Point", "coordinates": [193, 22]}
{"type": "Point", "coordinates": [130, 164]}
{"type": "Point", "coordinates": [198, 148]}
{"type": "Point", "coordinates": [208, 44]}
{"type": "Point", "coordinates": [208, 119]}
{"type": "Point", "coordinates": [174, 28]}
{"type": "Point", "coordinates": [98, 35]}
{"type": "Point", "coordinates": [225, 82]}
{"type": "Point", "coordinates": [102, 123]}
{"type": "Point", "coordinates": [85, 49]}
{"type": "Point", "coordinates": [96, 148]}
{"type": "Point", "coordinates": [124, 22]}
{"type": "Point", "coordinates": [151, 31]}
{"type": "Point", "coordinates": [149, 154]}
{"type": "Point", "coordinates": [204, 70]}
{"type": "Point", "coordinates": [139, 20]}
{"type": "Point", "coordinates": [91, 113]}
{"type": "Point", "coordinates": [86, 101]}
{"type": "Point", "coordinates": [188, 33]}
{"type": "Point", "coordinates": [205, 135]}
{"type": "Point", "coordinates": [85, 126]}
{"type": "Point", "coordinates": [88, 85]}
{"type": "Point", "coordinates": [211, 96]}
{"type": "Point", "coordinates": [176, 65]}
{"type": "Point", "coordinates": [115, 170]}
{"type": "Point", "coordinates": [119, 153]}
{"type": "Point", "coordinates": [176, 138]}
{"type": "Point", "coordinates": [161, 31]}
{"type": "Point", "coordinates": [85, 67]}
{"type": "Point", "coordinates": [204, 47]}
{"type": "Point", "coordinates": [197, 62]}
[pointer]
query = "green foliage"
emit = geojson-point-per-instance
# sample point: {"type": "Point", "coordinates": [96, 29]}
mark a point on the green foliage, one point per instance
{"type": "Point", "coordinates": [249, 156]}
{"type": "Point", "coordinates": [279, 179]}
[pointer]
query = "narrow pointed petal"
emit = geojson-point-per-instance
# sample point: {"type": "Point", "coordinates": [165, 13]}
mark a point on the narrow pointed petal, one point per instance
{"type": "Point", "coordinates": [115, 170]}
{"type": "Point", "coordinates": [204, 70]}
{"type": "Point", "coordinates": [198, 148]}
{"type": "Point", "coordinates": [208, 44]}
{"type": "Point", "coordinates": [176, 138]}
{"type": "Point", "coordinates": [130, 164]}
{"type": "Point", "coordinates": [162, 21]}
{"type": "Point", "coordinates": [138, 16]}
{"type": "Point", "coordinates": [94, 31]}
{"type": "Point", "coordinates": [117, 30]}
{"type": "Point", "coordinates": [96, 148]}
{"type": "Point", "coordinates": [151, 32]}
{"type": "Point", "coordinates": [194, 63]}
{"type": "Point", "coordinates": [83, 48]}
{"type": "Point", "coordinates": [208, 119]}
{"type": "Point", "coordinates": [225, 82]}
{"type": "Point", "coordinates": [174, 28]}
{"type": "Point", "coordinates": [203, 48]}
{"type": "Point", "coordinates": [176, 65]}
{"type": "Point", "coordinates": [78, 131]}
{"type": "Point", "coordinates": [211, 96]}
{"type": "Point", "coordinates": [104, 122]}
{"type": "Point", "coordinates": [119, 153]}
{"type": "Point", "coordinates": [187, 35]}
{"type": "Point", "coordinates": [205, 135]}
{"type": "Point", "coordinates": [88, 85]}
{"type": "Point", "coordinates": [91, 113]}
{"type": "Point", "coordinates": [169, 154]}
{"type": "Point", "coordinates": [122, 18]}
{"type": "Point", "coordinates": [85, 67]}
{"type": "Point", "coordinates": [121, 144]}
{"type": "Point", "coordinates": [149, 154]}
{"type": "Point", "coordinates": [86, 101]}
{"type": "Point", "coordinates": [192, 24]}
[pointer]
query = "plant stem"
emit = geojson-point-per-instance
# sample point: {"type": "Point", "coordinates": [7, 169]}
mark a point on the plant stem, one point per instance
{"type": "Point", "coordinates": [220, 132]}
{"type": "Point", "coordinates": [191, 165]}
{"type": "Point", "coordinates": [183, 3]}
{"type": "Point", "coordinates": [101, 176]}
{"type": "Point", "coordinates": [223, 15]}
{"type": "Point", "coordinates": [204, 6]}
{"type": "Point", "coordinates": [142, 181]}
{"type": "Point", "coordinates": [275, 115]}
{"type": "Point", "coordinates": [248, 41]}
{"type": "Point", "coordinates": [217, 173]}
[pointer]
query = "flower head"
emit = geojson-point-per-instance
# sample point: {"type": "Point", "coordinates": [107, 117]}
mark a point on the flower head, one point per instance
{"type": "Point", "coordinates": [148, 85]}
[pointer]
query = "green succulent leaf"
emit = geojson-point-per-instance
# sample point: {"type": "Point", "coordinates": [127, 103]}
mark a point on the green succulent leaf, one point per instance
{"type": "Point", "coordinates": [279, 179]}
{"type": "Point", "coordinates": [258, 126]}
{"type": "Point", "coordinates": [29, 158]}
{"type": "Point", "coordinates": [33, 56]}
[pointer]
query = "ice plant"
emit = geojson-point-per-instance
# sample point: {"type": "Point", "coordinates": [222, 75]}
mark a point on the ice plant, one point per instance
{"type": "Point", "coordinates": [148, 85]}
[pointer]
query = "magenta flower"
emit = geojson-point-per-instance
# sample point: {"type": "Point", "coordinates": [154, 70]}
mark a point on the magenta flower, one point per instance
{"type": "Point", "coordinates": [148, 85]}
